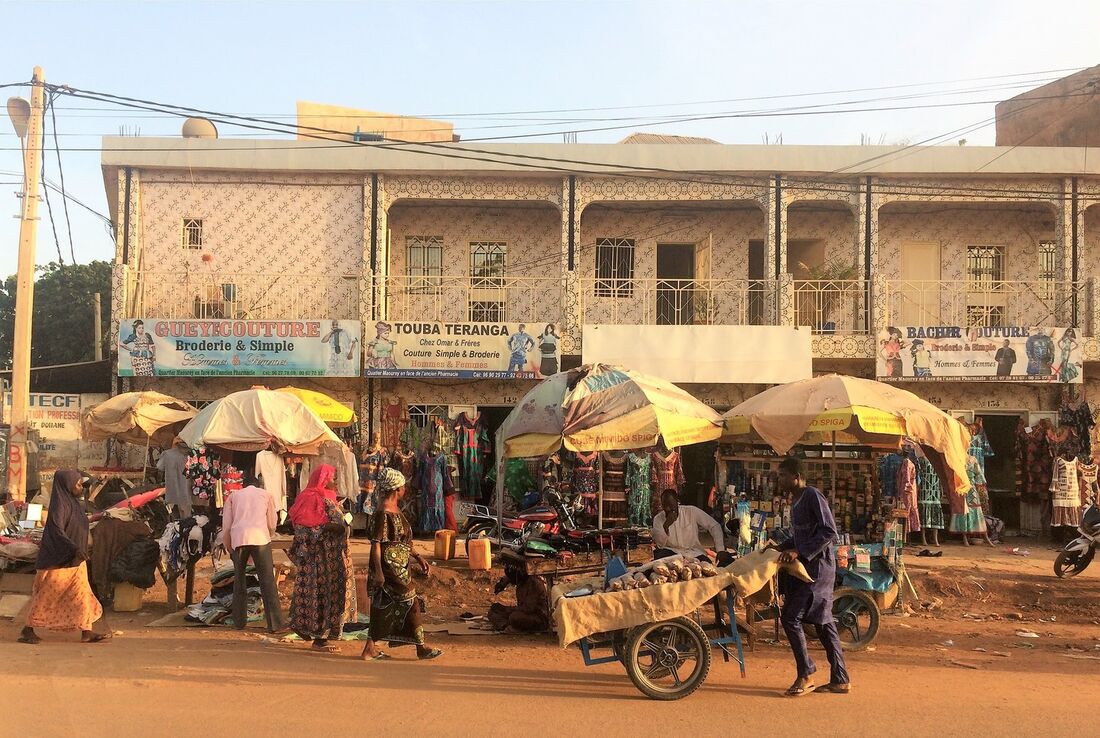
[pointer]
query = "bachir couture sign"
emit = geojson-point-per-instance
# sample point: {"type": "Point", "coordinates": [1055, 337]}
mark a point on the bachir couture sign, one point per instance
{"type": "Point", "coordinates": [238, 348]}
{"type": "Point", "coordinates": [954, 353]}
{"type": "Point", "coordinates": [462, 350]}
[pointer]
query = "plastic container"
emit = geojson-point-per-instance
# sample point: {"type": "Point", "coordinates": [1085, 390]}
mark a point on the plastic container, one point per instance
{"type": "Point", "coordinates": [480, 554]}
{"type": "Point", "coordinates": [127, 598]}
{"type": "Point", "coordinates": [444, 544]}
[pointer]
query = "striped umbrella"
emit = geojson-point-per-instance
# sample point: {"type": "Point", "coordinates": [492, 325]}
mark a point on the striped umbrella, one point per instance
{"type": "Point", "coordinates": [597, 407]}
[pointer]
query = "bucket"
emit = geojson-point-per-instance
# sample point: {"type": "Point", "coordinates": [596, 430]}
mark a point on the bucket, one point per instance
{"type": "Point", "coordinates": [444, 544]}
{"type": "Point", "coordinates": [127, 598]}
{"type": "Point", "coordinates": [479, 553]}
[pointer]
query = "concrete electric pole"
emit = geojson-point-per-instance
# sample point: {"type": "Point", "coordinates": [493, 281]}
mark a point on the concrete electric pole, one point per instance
{"type": "Point", "coordinates": [27, 120]}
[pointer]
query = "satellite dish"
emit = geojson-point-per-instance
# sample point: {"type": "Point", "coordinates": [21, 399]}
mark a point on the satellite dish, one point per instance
{"type": "Point", "coordinates": [199, 128]}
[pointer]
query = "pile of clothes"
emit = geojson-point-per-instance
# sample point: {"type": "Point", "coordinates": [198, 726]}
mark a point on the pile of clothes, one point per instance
{"type": "Point", "coordinates": [122, 551]}
{"type": "Point", "coordinates": [188, 540]}
{"type": "Point", "coordinates": [217, 607]}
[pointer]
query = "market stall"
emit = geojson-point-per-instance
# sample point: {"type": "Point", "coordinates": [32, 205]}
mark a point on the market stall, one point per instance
{"type": "Point", "coordinates": [600, 408]}
{"type": "Point", "coordinates": [844, 426]}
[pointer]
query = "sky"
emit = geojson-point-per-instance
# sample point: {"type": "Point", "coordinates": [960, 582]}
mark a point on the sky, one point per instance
{"type": "Point", "coordinates": [486, 65]}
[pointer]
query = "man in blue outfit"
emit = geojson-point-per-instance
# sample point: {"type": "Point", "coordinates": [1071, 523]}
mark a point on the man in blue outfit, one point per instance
{"type": "Point", "coordinates": [519, 344]}
{"type": "Point", "coordinates": [813, 532]}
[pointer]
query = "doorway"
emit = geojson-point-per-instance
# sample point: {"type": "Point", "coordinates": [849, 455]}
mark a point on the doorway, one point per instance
{"type": "Point", "coordinates": [1000, 469]}
{"type": "Point", "coordinates": [757, 275]}
{"type": "Point", "coordinates": [698, 462]}
{"type": "Point", "coordinates": [918, 300]}
{"type": "Point", "coordinates": [492, 417]}
{"type": "Point", "coordinates": [675, 283]}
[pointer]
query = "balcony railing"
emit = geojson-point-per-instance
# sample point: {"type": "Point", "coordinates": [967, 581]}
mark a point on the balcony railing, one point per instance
{"type": "Point", "coordinates": [460, 299]}
{"type": "Point", "coordinates": [678, 301]}
{"type": "Point", "coordinates": [832, 305]}
{"type": "Point", "coordinates": [248, 296]}
{"type": "Point", "coordinates": [992, 303]}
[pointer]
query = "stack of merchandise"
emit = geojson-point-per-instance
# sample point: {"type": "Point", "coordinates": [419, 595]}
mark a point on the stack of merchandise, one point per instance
{"type": "Point", "coordinates": [663, 571]}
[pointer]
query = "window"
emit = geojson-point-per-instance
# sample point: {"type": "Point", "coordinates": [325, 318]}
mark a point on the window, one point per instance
{"type": "Point", "coordinates": [614, 267]}
{"type": "Point", "coordinates": [487, 311]}
{"type": "Point", "coordinates": [192, 233]}
{"type": "Point", "coordinates": [424, 415]}
{"type": "Point", "coordinates": [487, 264]}
{"type": "Point", "coordinates": [985, 266]}
{"type": "Point", "coordinates": [985, 316]}
{"type": "Point", "coordinates": [424, 264]}
{"type": "Point", "coordinates": [1048, 268]}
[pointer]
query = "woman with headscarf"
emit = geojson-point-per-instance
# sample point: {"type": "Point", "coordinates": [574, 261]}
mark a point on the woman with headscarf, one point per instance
{"type": "Point", "coordinates": [395, 608]}
{"type": "Point", "coordinates": [62, 598]}
{"type": "Point", "coordinates": [324, 587]}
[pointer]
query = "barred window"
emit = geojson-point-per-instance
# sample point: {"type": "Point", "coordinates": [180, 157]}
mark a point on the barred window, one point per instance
{"type": "Point", "coordinates": [487, 264]}
{"type": "Point", "coordinates": [614, 267]}
{"type": "Point", "coordinates": [985, 266]}
{"type": "Point", "coordinates": [422, 416]}
{"type": "Point", "coordinates": [424, 263]}
{"type": "Point", "coordinates": [1048, 268]}
{"type": "Point", "coordinates": [192, 233]}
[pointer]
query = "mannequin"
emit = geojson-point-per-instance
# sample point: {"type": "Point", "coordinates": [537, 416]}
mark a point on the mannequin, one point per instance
{"type": "Point", "coordinates": [639, 491]}
{"type": "Point", "coordinates": [436, 492]}
{"type": "Point", "coordinates": [666, 472]}
{"type": "Point", "coordinates": [473, 447]}
{"type": "Point", "coordinates": [371, 463]}
{"type": "Point", "coordinates": [404, 460]}
{"type": "Point", "coordinates": [929, 502]}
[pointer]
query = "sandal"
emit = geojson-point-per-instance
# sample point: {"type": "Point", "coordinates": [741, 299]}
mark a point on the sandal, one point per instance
{"type": "Point", "coordinates": [30, 640]}
{"type": "Point", "coordinates": [796, 691]}
{"type": "Point", "coordinates": [435, 653]}
{"type": "Point", "coordinates": [380, 656]}
{"type": "Point", "coordinates": [96, 638]}
{"type": "Point", "coordinates": [832, 688]}
{"type": "Point", "coordinates": [325, 647]}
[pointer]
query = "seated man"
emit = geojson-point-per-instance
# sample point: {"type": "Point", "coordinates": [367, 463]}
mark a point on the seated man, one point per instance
{"type": "Point", "coordinates": [676, 530]}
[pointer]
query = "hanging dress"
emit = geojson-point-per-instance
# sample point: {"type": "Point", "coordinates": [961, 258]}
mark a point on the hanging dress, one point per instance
{"type": "Point", "coordinates": [369, 469]}
{"type": "Point", "coordinates": [907, 496]}
{"type": "Point", "coordinates": [434, 483]}
{"type": "Point", "coordinates": [410, 503]}
{"type": "Point", "coordinates": [930, 495]}
{"type": "Point", "coordinates": [639, 490]}
{"type": "Point", "coordinates": [666, 472]}
{"type": "Point", "coordinates": [472, 443]}
{"type": "Point", "coordinates": [614, 487]}
{"type": "Point", "coordinates": [1066, 494]}
{"type": "Point", "coordinates": [1088, 484]}
{"type": "Point", "coordinates": [586, 481]}
{"type": "Point", "coordinates": [973, 520]}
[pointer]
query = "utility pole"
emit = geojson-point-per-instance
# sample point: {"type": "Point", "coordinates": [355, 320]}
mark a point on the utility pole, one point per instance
{"type": "Point", "coordinates": [27, 120]}
{"type": "Point", "coordinates": [98, 326]}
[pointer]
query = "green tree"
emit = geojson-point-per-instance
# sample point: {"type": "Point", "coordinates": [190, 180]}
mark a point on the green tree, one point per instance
{"type": "Point", "coordinates": [63, 324]}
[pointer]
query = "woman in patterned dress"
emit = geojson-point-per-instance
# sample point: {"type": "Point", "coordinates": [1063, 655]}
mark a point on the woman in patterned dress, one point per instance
{"type": "Point", "coordinates": [395, 607]}
{"type": "Point", "coordinates": [324, 586]}
{"type": "Point", "coordinates": [62, 598]}
{"type": "Point", "coordinates": [639, 492]}
{"type": "Point", "coordinates": [929, 501]}
{"type": "Point", "coordinates": [972, 522]}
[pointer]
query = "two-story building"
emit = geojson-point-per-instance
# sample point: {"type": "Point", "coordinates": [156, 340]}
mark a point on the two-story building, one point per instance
{"type": "Point", "coordinates": [685, 242]}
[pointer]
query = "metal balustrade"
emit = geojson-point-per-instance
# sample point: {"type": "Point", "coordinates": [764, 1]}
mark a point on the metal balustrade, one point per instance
{"type": "Point", "coordinates": [678, 301]}
{"type": "Point", "coordinates": [988, 303]}
{"type": "Point", "coordinates": [460, 299]}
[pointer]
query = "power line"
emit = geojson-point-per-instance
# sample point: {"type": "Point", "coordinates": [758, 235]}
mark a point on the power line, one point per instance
{"type": "Point", "coordinates": [61, 175]}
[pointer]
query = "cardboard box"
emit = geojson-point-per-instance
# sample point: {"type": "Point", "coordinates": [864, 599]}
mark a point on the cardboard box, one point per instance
{"type": "Point", "coordinates": [886, 600]}
{"type": "Point", "coordinates": [17, 583]}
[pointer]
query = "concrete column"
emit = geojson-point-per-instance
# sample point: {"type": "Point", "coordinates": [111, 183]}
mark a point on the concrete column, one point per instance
{"type": "Point", "coordinates": [879, 305]}
{"type": "Point", "coordinates": [572, 312]}
{"type": "Point", "coordinates": [785, 300]}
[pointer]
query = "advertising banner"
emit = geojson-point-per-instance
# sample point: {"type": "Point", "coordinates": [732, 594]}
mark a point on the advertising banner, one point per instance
{"type": "Point", "coordinates": [733, 354]}
{"type": "Point", "coordinates": [56, 417]}
{"type": "Point", "coordinates": [153, 347]}
{"type": "Point", "coordinates": [954, 353]}
{"type": "Point", "coordinates": [462, 350]}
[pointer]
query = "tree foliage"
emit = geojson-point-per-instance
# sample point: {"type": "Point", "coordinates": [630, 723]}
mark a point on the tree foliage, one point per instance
{"type": "Point", "coordinates": [63, 322]}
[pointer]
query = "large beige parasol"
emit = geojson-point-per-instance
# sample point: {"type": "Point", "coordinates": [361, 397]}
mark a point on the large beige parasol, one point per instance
{"type": "Point", "coordinates": [142, 418]}
{"type": "Point", "coordinates": [856, 410]}
{"type": "Point", "coordinates": [254, 419]}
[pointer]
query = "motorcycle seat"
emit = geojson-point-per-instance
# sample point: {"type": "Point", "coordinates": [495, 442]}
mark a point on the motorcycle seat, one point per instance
{"type": "Point", "coordinates": [540, 516]}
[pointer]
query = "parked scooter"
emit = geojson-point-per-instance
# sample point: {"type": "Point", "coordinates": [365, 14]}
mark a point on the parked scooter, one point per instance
{"type": "Point", "coordinates": [544, 520]}
{"type": "Point", "coordinates": [1078, 553]}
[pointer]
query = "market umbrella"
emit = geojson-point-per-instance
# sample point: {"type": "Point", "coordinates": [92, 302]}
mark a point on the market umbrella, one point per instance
{"type": "Point", "coordinates": [855, 410]}
{"type": "Point", "coordinates": [253, 419]}
{"type": "Point", "coordinates": [142, 418]}
{"type": "Point", "coordinates": [334, 413]}
{"type": "Point", "coordinates": [598, 407]}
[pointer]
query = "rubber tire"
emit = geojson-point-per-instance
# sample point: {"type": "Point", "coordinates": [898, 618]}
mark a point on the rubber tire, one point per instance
{"type": "Point", "coordinates": [868, 602]}
{"type": "Point", "coordinates": [634, 670]}
{"type": "Point", "coordinates": [1063, 570]}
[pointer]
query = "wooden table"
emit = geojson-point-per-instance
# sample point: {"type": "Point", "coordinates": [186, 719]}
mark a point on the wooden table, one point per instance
{"type": "Point", "coordinates": [282, 543]}
{"type": "Point", "coordinates": [551, 568]}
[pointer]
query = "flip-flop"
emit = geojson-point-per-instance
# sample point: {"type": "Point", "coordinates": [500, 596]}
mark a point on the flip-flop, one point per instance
{"type": "Point", "coordinates": [96, 638]}
{"type": "Point", "coordinates": [380, 656]}
{"type": "Point", "coordinates": [925, 553]}
{"type": "Point", "coordinates": [799, 691]}
{"type": "Point", "coordinates": [836, 688]}
{"type": "Point", "coordinates": [435, 653]}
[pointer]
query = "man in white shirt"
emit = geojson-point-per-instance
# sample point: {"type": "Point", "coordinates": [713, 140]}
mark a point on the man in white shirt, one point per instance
{"type": "Point", "coordinates": [248, 522]}
{"type": "Point", "coordinates": [676, 529]}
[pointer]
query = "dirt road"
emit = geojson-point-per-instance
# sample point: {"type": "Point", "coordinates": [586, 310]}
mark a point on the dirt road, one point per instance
{"type": "Point", "coordinates": [190, 681]}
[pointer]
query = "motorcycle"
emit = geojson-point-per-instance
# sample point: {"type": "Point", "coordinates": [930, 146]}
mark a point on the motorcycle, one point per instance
{"type": "Point", "coordinates": [1078, 553]}
{"type": "Point", "coordinates": [544, 520]}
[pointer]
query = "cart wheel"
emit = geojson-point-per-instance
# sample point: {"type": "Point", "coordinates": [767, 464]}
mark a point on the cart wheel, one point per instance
{"type": "Point", "coordinates": [1071, 564]}
{"type": "Point", "coordinates": [857, 618]}
{"type": "Point", "coordinates": [668, 660]}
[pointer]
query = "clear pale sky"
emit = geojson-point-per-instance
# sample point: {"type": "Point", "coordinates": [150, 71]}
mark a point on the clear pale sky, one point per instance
{"type": "Point", "coordinates": [456, 57]}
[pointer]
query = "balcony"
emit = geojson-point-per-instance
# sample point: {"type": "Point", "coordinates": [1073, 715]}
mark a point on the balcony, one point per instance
{"type": "Point", "coordinates": [989, 303]}
{"type": "Point", "coordinates": [678, 301]}
{"type": "Point", "coordinates": [247, 296]}
{"type": "Point", "coordinates": [461, 299]}
{"type": "Point", "coordinates": [832, 306]}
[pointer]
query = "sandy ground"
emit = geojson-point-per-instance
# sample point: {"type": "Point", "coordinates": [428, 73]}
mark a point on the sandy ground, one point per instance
{"type": "Point", "coordinates": [923, 676]}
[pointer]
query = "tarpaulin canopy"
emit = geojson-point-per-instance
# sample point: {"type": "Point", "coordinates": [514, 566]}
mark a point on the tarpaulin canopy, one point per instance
{"type": "Point", "coordinates": [254, 419]}
{"type": "Point", "coordinates": [858, 411]}
{"type": "Point", "coordinates": [137, 417]}
{"type": "Point", "coordinates": [598, 407]}
{"type": "Point", "coordinates": [333, 412]}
